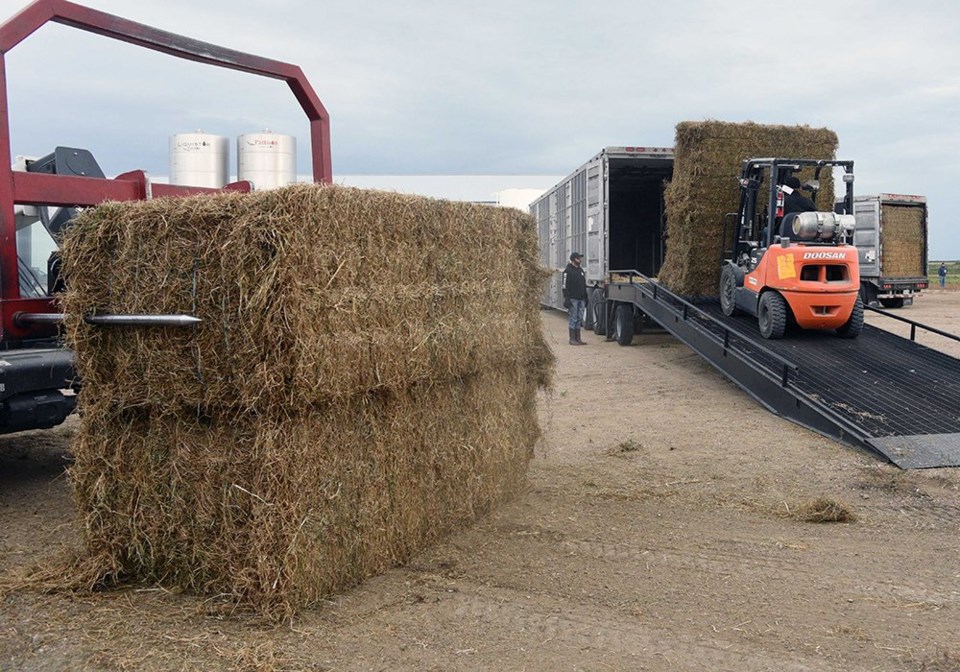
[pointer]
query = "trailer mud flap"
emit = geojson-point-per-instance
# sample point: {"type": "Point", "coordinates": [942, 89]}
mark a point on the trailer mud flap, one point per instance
{"type": "Point", "coordinates": [920, 451]}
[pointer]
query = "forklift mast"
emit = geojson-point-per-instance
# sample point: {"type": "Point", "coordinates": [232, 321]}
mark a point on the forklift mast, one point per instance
{"type": "Point", "coordinates": [770, 173]}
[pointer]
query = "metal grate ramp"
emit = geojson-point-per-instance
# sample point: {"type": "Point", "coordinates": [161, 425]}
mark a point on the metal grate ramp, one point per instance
{"type": "Point", "coordinates": [902, 398]}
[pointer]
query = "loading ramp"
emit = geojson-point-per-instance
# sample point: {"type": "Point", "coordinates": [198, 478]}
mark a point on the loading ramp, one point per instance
{"type": "Point", "coordinates": [882, 392]}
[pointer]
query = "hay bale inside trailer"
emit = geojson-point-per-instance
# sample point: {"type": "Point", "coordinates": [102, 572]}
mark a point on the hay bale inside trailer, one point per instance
{"type": "Point", "coordinates": [903, 241]}
{"type": "Point", "coordinates": [363, 381]}
{"type": "Point", "coordinates": [704, 188]}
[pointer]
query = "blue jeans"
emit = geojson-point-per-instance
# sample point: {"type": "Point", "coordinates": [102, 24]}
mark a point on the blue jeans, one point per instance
{"type": "Point", "coordinates": [943, 280]}
{"type": "Point", "coordinates": [578, 309]}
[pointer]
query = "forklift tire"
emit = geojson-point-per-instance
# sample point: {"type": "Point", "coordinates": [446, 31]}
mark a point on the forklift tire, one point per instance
{"type": "Point", "coordinates": [728, 290]}
{"type": "Point", "coordinates": [772, 315]}
{"type": "Point", "coordinates": [600, 318]}
{"type": "Point", "coordinates": [892, 303]}
{"type": "Point", "coordinates": [623, 329]}
{"type": "Point", "coordinates": [853, 326]}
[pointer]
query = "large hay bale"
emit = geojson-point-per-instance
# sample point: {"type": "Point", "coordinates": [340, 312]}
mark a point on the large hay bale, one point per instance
{"type": "Point", "coordinates": [292, 284]}
{"type": "Point", "coordinates": [903, 241]}
{"type": "Point", "coordinates": [704, 188]}
{"type": "Point", "coordinates": [362, 382]}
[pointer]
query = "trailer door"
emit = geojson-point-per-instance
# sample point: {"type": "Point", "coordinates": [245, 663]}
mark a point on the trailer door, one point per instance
{"type": "Point", "coordinates": [866, 236]}
{"type": "Point", "coordinates": [596, 269]}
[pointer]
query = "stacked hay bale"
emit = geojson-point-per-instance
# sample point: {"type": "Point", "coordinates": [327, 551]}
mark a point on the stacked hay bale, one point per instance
{"type": "Point", "coordinates": [363, 381]}
{"type": "Point", "coordinates": [903, 241]}
{"type": "Point", "coordinates": [704, 188]}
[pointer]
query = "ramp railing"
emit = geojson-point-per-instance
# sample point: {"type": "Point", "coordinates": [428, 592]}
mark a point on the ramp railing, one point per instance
{"type": "Point", "coordinates": [914, 325]}
{"type": "Point", "coordinates": [684, 310]}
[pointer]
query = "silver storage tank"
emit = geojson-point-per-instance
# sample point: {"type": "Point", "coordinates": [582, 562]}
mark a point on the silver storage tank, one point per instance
{"type": "Point", "coordinates": [269, 160]}
{"type": "Point", "coordinates": [199, 160]}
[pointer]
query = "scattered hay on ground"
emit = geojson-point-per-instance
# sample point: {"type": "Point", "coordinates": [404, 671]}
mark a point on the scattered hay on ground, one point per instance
{"type": "Point", "coordinates": [824, 510]}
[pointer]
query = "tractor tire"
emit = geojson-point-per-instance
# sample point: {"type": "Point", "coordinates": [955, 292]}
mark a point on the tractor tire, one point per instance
{"type": "Point", "coordinates": [852, 327]}
{"type": "Point", "coordinates": [772, 315]}
{"type": "Point", "coordinates": [600, 318]}
{"type": "Point", "coordinates": [623, 329]}
{"type": "Point", "coordinates": [892, 303]}
{"type": "Point", "coordinates": [728, 290]}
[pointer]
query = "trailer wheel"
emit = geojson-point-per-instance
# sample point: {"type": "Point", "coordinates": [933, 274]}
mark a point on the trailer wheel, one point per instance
{"type": "Point", "coordinates": [852, 327]}
{"type": "Point", "coordinates": [623, 329]}
{"type": "Point", "coordinates": [600, 318]}
{"type": "Point", "coordinates": [868, 294]}
{"type": "Point", "coordinates": [728, 291]}
{"type": "Point", "coordinates": [772, 315]}
{"type": "Point", "coordinates": [892, 303]}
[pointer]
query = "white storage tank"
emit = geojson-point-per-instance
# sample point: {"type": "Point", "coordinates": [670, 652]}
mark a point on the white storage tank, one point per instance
{"type": "Point", "coordinates": [269, 160]}
{"type": "Point", "coordinates": [199, 160]}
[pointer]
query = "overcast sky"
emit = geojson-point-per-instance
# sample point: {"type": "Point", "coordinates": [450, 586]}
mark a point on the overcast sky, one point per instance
{"type": "Point", "coordinates": [513, 87]}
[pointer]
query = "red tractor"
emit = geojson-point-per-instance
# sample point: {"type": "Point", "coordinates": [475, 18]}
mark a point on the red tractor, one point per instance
{"type": "Point", "coordinates": [39, 198]}
{"type": "Point", "coordinates": [792, 268]}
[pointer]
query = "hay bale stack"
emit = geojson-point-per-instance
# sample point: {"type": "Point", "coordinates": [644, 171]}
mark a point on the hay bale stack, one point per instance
{"type": "Point", "coordinates": [704, 188]}
{"type": "Point", "coordinates": [363, 381]}
{"type": "Point", "coordinates": [903, 241]}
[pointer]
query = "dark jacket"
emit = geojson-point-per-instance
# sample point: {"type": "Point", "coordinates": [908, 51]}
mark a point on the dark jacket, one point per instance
{"type": "Point", "coordinates": [794, 203]}
{"type": "Point", "coordinates": [574, 283]}
{"type": "Point", "coordinates": [797, 202]}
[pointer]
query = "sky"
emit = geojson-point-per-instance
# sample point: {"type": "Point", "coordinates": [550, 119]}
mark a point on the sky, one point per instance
{"type": "Point", "coordinates": [499, 87]}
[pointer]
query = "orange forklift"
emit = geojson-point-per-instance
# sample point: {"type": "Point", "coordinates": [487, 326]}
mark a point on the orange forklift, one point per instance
{"type": "Point", "coordinates": [792, 269]}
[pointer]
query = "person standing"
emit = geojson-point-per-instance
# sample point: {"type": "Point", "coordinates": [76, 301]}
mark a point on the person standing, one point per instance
{"type": "Point", "coordinates": [942, 272]}
{"type": "Point", "coordinates": [575, 297]}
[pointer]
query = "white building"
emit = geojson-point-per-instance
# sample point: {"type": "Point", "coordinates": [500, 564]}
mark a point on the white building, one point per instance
{"type": "Point", "coordinates": [517, 191]}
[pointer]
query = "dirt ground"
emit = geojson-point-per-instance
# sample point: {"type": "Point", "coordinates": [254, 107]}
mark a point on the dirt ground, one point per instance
{"type": "Point", "coordinates": [662, 529]}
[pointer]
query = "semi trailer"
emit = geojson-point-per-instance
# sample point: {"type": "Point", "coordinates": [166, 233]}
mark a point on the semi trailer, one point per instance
{"type": "Point", "coordinates": [610, 210]}
{"type": "Point", "coordinates": [38, 198]}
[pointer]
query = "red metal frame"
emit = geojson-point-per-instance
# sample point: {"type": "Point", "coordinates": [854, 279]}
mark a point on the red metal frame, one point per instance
{"type": "Point", "coordinates": [19, 187]}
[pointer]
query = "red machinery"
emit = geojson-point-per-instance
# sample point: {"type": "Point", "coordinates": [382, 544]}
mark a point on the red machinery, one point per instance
{"type": "Point", "coordinates": [34, 371]}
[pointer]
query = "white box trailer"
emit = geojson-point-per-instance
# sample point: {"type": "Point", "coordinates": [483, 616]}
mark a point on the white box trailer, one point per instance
{"type": "Point", "coordinates": [611, 210]}
{"type": "Point", "coordinates": [891, 238]}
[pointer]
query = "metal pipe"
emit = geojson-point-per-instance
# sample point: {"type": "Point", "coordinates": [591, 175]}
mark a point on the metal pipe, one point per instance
{"type": "Point", "coordinates": [143, 320]}
{"type": "Point", "coordinates": [112, 320]}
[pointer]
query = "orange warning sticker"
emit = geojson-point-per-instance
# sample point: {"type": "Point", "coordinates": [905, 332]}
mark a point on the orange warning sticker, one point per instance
{"type": "Point", "coordinates": [785, 267]}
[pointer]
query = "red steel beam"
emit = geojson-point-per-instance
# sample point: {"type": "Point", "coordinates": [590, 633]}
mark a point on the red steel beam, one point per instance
{"type": "Point", "coordinates": [16, 187]}
{"type": "Point", "coordinates": [41, 12]}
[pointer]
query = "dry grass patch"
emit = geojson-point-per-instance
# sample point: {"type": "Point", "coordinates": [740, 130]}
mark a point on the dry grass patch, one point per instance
{"type": "Point", "coordinates": [823, 510]}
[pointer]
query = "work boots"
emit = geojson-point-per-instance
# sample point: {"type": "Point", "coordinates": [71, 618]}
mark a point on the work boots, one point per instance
{"type": "Point", "coordinates": [575, 337]}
